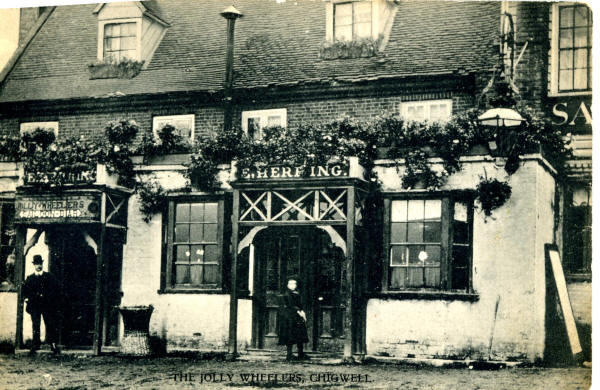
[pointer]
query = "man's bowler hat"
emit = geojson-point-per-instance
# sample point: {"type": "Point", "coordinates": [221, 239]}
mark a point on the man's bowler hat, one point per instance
{"type": "Point", "coordinates": [37, 259]}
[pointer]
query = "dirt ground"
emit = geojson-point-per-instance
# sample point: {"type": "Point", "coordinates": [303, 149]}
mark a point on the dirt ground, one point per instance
{"type": "Point", "coordinates": [45, 371]}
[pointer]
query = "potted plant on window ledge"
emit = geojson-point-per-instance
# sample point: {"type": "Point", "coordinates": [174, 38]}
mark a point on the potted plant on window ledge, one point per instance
{"type": "Point", "coordinates": [111, 69]}
{"type": "Point", "coordinates": [170, 148]}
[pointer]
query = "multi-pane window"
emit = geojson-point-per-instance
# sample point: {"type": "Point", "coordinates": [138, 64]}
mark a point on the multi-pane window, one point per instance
{"type": "Point", "coordinates": [574, 48]}
{"type": "Point", "coordinates": [120, 41]}
{"type": "Point", "coordinates": [429, 244]}
{"type": "Point", "coordinates": [431, 110]}
{"type": "Point", "coordinates": [7, 244]}
{"type": "Point", "coordinates": [27, 127]}
{"type": "Point", "coordinates": [254, 121]}
{"type": "Point", "coordinates": [194, 248]}
{"type": "Point", "coordinates": [352, 21]}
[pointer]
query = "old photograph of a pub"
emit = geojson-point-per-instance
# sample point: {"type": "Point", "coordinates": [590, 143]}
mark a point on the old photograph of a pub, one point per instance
{"type": "Point", "coordinates": [390, 194]}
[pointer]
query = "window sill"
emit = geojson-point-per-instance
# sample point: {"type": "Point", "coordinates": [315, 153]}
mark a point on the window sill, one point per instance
{"type": "Point", "coordinates": [574, 93]}
{"type": "Point", "coordinates": [426, 295]}
{"type": "Point", "coordinates": [192, 291]}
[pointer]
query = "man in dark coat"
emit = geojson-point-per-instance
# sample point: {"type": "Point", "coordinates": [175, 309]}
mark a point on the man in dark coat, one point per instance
{"type": "Point", "coordinates": [41, 291]}
{"type": "Point", "coordinates": [292, 328]}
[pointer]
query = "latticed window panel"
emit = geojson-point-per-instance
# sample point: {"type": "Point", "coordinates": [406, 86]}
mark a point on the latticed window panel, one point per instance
{"type": "Point", "coordinates": [294, 205]}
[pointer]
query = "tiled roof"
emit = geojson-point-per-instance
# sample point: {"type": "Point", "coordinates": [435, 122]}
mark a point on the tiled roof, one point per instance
{"type": "Point", "coordinates": [277, 43]}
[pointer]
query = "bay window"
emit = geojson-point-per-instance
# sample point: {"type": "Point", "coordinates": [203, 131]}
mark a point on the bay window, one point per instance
{"type": "Point", "coordinates": [428, 243]}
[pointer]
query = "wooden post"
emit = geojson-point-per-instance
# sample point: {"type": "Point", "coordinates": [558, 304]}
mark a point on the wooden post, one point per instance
{"type": "Point", "coordinates": [98, 321]}
{"type": "Point", "coordinates": [233, 304]}
{"type": "Point", "coordinates": [349, 341]}
{"type": "Point", "coordinates": [19, 275]}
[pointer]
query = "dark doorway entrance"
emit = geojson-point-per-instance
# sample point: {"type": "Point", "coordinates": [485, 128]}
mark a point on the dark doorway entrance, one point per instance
{"type": "Point", "coordinates": [308, 254]}
{"type": "Point", "coordinates": [73, 260]}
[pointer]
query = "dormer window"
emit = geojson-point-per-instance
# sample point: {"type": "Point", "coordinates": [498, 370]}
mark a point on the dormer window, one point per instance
{"type": "Point", "coordinates": [352, 20]}
{"type": "Point", "coordinates": [128, 30]}
{"type": "Point", "coordinates": [120, 41]}
{"type": "Point", "coordinates": [355, 20]}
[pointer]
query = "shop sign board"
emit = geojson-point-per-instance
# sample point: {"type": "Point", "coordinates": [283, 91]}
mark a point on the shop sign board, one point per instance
{"type": "Point", "coordinates": [295, 172]}
{"type": "Point", "coordinates": [572, 114]}
{"type": "Point", "coordinates": [57, 208]}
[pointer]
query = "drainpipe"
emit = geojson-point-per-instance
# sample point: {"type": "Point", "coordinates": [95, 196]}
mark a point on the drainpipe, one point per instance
{"type": "Point", "coordinates": [231, 14]}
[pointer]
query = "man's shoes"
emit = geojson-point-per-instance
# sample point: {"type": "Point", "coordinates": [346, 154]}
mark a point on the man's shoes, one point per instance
{"type": "Point", "coordinates": [303, 357]}
{"type": "Point", "coordinates": [32, 352]}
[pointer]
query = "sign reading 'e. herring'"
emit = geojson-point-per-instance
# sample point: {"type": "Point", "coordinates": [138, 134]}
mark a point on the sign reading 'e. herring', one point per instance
{"type": "Point", "coordinates": [57, 208]}
{"type": "Point", "coordinates": [287, 172]}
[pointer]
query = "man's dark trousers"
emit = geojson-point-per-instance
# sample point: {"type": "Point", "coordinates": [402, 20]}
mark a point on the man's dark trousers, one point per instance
{"type": "Point", "coordinates": [51, 322]}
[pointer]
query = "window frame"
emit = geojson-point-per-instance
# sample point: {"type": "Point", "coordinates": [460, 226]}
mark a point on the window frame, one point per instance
{"type": "Point", "coordinates": [103, 23]}
{"type": "Point", "coordinates": [168, 118]}
{"type": "Point", "coordinates": [427, 103]}
{"type": "Point", "coordinates": [26, 127]}
{"type": "Point", "coordinates": [555, 53]}
{"type": "Point", "coordinates": [263, 114]}
{"type": "Point", "coordinates": [447, 203]}
{"type": "Point", "coordinates": [353, 24]}
{"type": "Point", "coordinates": [168, 284]}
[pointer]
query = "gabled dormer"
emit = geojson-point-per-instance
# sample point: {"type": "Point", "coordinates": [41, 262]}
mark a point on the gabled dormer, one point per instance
{"type": "Point", "coordinates": [128, 30]}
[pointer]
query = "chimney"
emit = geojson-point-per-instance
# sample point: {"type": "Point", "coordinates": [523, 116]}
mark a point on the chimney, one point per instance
{"type": "Point", "coordinates": [28, 18]}
{"type": "Point", "coordinates": [231, 14]}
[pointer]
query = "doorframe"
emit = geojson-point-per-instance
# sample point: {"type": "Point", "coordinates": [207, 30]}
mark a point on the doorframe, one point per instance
{"type": "Point", "coordinates": [354, 329]}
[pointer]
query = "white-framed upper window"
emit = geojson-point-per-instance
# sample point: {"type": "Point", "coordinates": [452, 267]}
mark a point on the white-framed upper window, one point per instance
{"type": "Point", "coordinates": [254, 121]}
{"type": "Point", "coordinates": [571, 49]}
{"type": "Point", "coordinates": [430, 110]}
{"type": "Point", "coordinates": [120, 41]}
{"type": "Point", "coordinates": [27, 127]}
{"type": "Point", "coordinates": [183, 123]}
{"type": "Point", "coordinates": [352, 20]}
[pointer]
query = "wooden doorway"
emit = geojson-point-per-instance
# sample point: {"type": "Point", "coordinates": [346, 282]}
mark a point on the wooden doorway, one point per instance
{"type": "Point", "coordinates": [306, 253]}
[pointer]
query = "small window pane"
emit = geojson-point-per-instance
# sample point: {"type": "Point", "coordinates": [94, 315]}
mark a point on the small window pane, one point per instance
{"type": "Point", "coordinates": [128, 43]}
{"type": "Point", "coordinates": [363, 30]}
{"type": "Point", "coordinates": [433, 254]}
{"type": "Point", "coordinates": [581, 16]}
{"type": "Point", "coordinates": [581, 34]}
{"type": "Point", "coordinates": [182, 274]}
{"type": "Point", "coordinates": [413, 254]}
{"type": "Point", "coordinates": [362, 12]}
{"type": "Point", "coordinates": [254, 128]}
{"type": "Point", "coordinates": [210, 212]}
{"type": "Point", "coordinates": [581, 58]}
{"type": "Point", "coordinates": [566, 16]}
{"type": "Point", "coordinates": [343, 33]}
{"type": "Point", "coordinates": [196, 274]}
{"type": "Point", "coordinates": [460, 256]}
{"type": "Point", "coordinates": [460, 211]}
{"type": "Point", "coordinates": [416, 210]}
{"type": "Point", "coordinates": [398, 277]}
{"type": "Point", "coordinates": [197, 212]}
{"type": "Point", "coordinates": [580, 79]}
{"type": "Point", "coordinates": [128, 29]}
{"type": "Point", "coordinates": [343, 14]}
{"type": "Point", "coordinates": [433, 209]}
{"type": "Point", "coordinates": [398, 232]}
{"type": "Point", "coordinates": [182, 212]}
{"type": "Point", "coordinates": [566, 39]}
{"type": "Point", "coordinates": [566, 59]}
{"type": "Point", "coordinates": [432, 232]}
{"type": "Point", "coordinates": [565, 81]}
{"type": "Point", "coordinates": [415, 277]}
{"type": "Point", "coordinates": [210, 274]}
{"type": "Point", "coordinates": [415, 232]}
{"type": "Point", "coordinates": [196, 232]}
{"type": "Point", "coordinates": [399, 255]}
{"type": "Point", "coordinates": [399, 211]}
{"type": "Point", "coordinates": [211, 254]}
{"type": "Point", "coordinates": [196, 254]}
{"type": "Point", "coordinates": [182, 253]}
{"type": "Point", "coordinates": [210, 232]}
{"type": "Point", "coordinates": [461, 232]}
{"type": "Point", "coordinates": [182, 232]}
{"type": "Point", "coordinates": [432, 277]}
